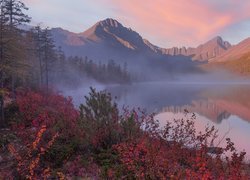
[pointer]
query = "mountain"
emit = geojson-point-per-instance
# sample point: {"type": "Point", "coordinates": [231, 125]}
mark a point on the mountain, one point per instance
{"type": "Point", "coordinates": [235, 52]}
{"type": "Point", "coordinates": [236, 59]}
{"type": "Point", "coordinates": [112, 40]}
{"type": "Point", "coordinates": [108, 37]}
{"type": "Point", "coordinates": [114, 34]}
{"type": "Point", "coordinates": [204, 52]}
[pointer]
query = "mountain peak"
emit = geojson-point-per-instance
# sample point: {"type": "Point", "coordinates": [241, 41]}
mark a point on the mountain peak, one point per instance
{"type": "Point", "coordinates": [114, 34]}
{"type": "Point", "coordinates": [97, 31]}
{"type": "Point", "coordinates": [217, 38]}
{"type": "Point", "coordinates": [109, 22]}
{"type": "Point", "coordinates": [219, 41]}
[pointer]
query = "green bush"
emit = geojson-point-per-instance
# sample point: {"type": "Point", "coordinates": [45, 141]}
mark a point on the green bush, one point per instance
{"type": "Point", "coordinates": [99, 118]}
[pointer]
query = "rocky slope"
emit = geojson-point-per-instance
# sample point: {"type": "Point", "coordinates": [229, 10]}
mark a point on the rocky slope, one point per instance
{"type": "Point", "coordinates": [204, 52]}
{"type": "Point", "coordinates": [236, 59]}
{"type": "Point", "coordinates": [105, 37]}
{"type": "Point", "coordinates": [235, 52]}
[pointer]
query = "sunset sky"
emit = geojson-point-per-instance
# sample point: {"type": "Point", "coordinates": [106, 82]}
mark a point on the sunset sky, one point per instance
{"type": "Point", "coordinates": [165, 23]}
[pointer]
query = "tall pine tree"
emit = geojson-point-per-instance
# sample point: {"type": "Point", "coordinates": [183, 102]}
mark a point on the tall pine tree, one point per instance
{"type": "Point", "coordinates": [12, 53]}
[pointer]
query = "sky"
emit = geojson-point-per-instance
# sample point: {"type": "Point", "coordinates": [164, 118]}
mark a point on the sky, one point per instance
{"type": "Point", "coordinates": [165, 23]}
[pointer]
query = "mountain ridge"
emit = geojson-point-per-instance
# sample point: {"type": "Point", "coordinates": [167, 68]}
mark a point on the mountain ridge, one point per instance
{"type": "Point", "coordinates": [109, 39]}
{"type": "Point", "coordinates": [203, 52]}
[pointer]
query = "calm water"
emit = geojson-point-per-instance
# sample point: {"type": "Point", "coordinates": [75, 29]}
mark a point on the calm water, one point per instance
{"type": "Point", "coordinates": [226, 106]}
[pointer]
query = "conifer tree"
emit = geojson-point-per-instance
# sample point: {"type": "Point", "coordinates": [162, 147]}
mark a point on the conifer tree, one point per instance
{"type": "Point", "coordinates": [49, 54]}
{"type": "Point", "coordinates": [12, 52]}
{"type": "Point", "coordinates": [13, 10]}
{"type": "Point", "coordinates": [3, 32]}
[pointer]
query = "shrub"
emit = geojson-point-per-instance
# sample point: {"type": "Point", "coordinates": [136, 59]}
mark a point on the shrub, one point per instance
{"type": "Point", "coordinates": [177, 151]}
{"type": "Point", "coordinates": [28, 158]}
{"type": "Point", "coordinates": [100, 120]}
{"type": "Point", "coordinates": [37, 110]}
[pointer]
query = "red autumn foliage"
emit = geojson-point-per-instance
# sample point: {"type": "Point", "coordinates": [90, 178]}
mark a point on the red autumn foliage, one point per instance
{"type": "Point", "coordinates": [28, 158]}
{"type": "Point", "coordinates": [177, 152]}
{"type": "Point", "coordinates": [56, 140]}
{"type": "Point", "coordinates": [39, 108]}
{"type": "Point", "coordinates": [44, 118]}
{"type": "Point", "coordinates": [75, 168]}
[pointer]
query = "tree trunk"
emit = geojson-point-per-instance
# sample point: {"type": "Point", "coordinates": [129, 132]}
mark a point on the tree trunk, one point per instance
{"type": "Point", "coordinates": [40, 57]}
{"type": "Point", "coordinates": [2, 118]}
{"type": "Point", "coordinates": [13, 94]}
{"type": "Point", "coordinates": [41, 68]}
{"type": "Point", "coordinates": [47, 76]}
{"type": "Point", "coordinates": [46, 68]}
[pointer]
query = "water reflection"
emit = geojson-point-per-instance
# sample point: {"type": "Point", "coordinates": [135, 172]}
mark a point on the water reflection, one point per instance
{"type": "Point", "coordinates": [234, 128]}
{"type": "Point", "coordinates": [215, 102]}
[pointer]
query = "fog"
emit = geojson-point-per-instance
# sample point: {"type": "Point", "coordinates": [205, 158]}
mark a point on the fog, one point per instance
{"type": "Point", "coordinates": [149, 88]}
{"type": "Point", "coordinates": [217, 97]}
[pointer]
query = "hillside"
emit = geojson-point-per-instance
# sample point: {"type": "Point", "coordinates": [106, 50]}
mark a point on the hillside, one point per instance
{"type": "Point", "coordinates": [234, 53]}
{"type": "Point", "coordinates": [236, 59]}
{"type": "Point", "coordinates": [239, 65]}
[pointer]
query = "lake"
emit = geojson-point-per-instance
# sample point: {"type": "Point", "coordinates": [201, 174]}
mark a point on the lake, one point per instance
{"type": "Point", "coordinates": [224, 105]}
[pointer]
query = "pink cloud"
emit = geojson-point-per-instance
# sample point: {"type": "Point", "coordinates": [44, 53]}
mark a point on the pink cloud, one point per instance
{"type": "Point", "coordinates": [163, 22]}
{"type": "Point", "coordinates": [180, 21]}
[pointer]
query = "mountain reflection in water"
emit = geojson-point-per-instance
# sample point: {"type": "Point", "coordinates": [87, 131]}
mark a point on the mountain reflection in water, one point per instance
{"type": "Point", "coordinates": [215, 102]}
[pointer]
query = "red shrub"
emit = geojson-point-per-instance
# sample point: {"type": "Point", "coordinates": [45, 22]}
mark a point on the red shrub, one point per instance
{"type": "Point", "coordinates": [78, 168]}
{"type": "Point", "coordinates": [28, 158]}
{"type": "Point", "coordinates": [39, 108]}
{"type": "Point", "coordinates": [177, 152]}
